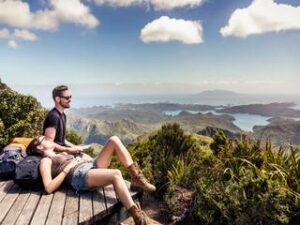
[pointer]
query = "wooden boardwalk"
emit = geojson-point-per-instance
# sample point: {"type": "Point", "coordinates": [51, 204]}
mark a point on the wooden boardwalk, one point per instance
{"type": "Point", "coordinates": [64, 207]}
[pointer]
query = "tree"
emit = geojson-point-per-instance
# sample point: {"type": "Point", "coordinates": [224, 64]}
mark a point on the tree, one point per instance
{"type": "Point", "coordinates": [20, 115]}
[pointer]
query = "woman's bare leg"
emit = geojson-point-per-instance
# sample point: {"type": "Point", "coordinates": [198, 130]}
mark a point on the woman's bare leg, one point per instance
{"type": "Point", "coordinates": [101, 177]}
{"type": "Point", "coordinates": [113, 144]}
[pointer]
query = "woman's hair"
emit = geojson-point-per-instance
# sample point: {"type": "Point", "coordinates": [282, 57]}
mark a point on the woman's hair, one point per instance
{"type": "Point", "coordinates": [32, 147]}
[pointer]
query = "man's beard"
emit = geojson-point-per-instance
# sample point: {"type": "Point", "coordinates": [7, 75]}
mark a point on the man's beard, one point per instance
{"type": "Point", "coordinates": [65, 106]}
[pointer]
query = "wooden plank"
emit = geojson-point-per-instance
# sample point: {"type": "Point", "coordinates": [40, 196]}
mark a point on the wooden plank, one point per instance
{"type": "Point", "coordinates": [63, 207]}
{"type": "Point", "coordinates": [2, 182]}
{"type": "Point", "coordinates": [132, 193]}
{"type": "Point", "coordinates": [42, 210]}
{"type": "Point", "coordinates": [28, 210]}
{"type": "Point", "coordinates": [8, 201]}
{"type": "Point", "coordinates": [57, 207]}
{"type": "Point", "coordinates": [70, 216]}
{"type": "Point", "coordinates": [118, 212]}
{"type": "Point", "coordinates": [5, 188]}
{"type": "Point", "coordinates": [85, 208]}
{"type": "Point", "coordinates": [99, 207]}
{"type": "Point", "coordinates": [16, 209]}
{"type": "Point", "coordinates": [110, 198]}
{"type": "Point", "coordinates": [6, 185]}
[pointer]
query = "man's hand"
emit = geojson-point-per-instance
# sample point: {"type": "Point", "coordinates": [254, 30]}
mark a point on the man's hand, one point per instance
{"type": "Point", "coordinates": [73, 150]}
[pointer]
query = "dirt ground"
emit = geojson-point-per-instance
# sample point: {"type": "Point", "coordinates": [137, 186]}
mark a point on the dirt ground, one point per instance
{"type": "Point", "coordinates": [158, 212]}
{"type": "Point", "coordinates": [154, 209]}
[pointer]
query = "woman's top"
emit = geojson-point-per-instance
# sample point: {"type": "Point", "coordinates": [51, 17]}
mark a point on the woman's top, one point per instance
{"type": "Point", "coordinates": [61, 160]}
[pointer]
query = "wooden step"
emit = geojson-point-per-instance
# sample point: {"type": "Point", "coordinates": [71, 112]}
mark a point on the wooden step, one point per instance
{"type": "Point", "coordinates": [23, 207]}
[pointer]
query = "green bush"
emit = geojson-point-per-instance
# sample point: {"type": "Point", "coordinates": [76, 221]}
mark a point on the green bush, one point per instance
{"type": "Point", "coordinates": [166, 147]}
{"type": "Point", "coordinates": [74, 137]}
{"type": "Point", "coordinates": [248, 185]}
{"type": "Point", "coordinates": [169, 158]}
{"type": "Point", "coordinates": [236, 182]}
{"type": "Point", "coordinates": [20, 115]}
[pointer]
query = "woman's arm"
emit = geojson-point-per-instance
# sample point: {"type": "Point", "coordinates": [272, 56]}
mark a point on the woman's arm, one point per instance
{"type": "Point", "coordinates": [51, 184]}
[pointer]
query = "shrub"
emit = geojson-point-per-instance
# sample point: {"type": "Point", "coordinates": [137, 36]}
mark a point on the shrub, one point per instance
{"type": "Point", "coordinates": [20, 115]}
{"type": "Point", "coordinates": [247, 185]}
{"type": "Point", "coordinates": [74, 137]}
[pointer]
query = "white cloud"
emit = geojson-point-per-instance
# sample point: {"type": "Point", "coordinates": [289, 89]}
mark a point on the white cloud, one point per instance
{"type": "Point", "coordinates": [171, 4]}
{"type": "Point", "coordinates": [14, 13]}
{"type": "Point", "coordinates": [25, 35]}
{"type": "Point", "coordinates": [73, 11]}
{"type": "Point", "coordinates": [17, 14]}
{"type": "Point", "coordinates": [119, 3]}
{"type": "Point", "coordinates": [260, 17]}
{"type": "Point", "coordinates": [156, 4]}
{"type": "Point", "coordinates": [13, 44]}
{"type": "Point", "coordinates": [167, 29]}
{"type": "Point", "coordinates": [4, 33]}
{"type": "Point", "coordinates": [22, 34]}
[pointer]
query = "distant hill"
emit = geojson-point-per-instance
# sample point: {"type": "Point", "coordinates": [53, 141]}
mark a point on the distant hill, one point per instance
{"type": "Point", "coordinates": [225, 97]}
{"type": "Point", "coordinates": [222, 97]}
{"type": "Point", "coordinates": [220, 94]}
{"type": "Point", "coordinates": [129, 121]}
{"type": "Point", "coordinates": [280, 131]}
{"type": "Point", "coordinates": [268, 110]}
{"type": "Point", "coordinates": [98, 130]}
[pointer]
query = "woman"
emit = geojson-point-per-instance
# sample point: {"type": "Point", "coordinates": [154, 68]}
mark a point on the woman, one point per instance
{"type": "Point", "coordinates": [83, 173]}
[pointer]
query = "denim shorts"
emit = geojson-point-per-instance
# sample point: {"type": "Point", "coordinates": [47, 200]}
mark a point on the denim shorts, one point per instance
{"type": "Point", "coordinates": [79, 176]}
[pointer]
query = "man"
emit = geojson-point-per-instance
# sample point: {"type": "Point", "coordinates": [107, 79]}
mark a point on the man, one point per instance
{"type": "Point", "coordinates": [55, 123]}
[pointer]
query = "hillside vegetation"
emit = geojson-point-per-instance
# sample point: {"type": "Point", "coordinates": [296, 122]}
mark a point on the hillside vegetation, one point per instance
{"type": "Point", "coordinates": [220, 180]}
{"type": "Point", "coordinates": [20, 115]}
{"type": "Point", "coordinates": [231, 181]}
{"type": "Point", "coordinates": [128, 122]}
{"type": "Point", "coordinates": [23, 116]}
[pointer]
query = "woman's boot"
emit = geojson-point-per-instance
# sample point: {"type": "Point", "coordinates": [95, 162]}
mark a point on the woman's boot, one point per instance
{"type": "Point", "coordinates": [138, 215]}
{"type": "Point", "coordinates": [138, 180]}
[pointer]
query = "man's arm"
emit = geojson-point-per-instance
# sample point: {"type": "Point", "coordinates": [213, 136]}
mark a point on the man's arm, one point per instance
{"type": "Point", "coordinates": [67, 149]}
{"type": "Point", "coordinates": [69, 143]}
{"type": "Point", "coordinates": [50, 133]}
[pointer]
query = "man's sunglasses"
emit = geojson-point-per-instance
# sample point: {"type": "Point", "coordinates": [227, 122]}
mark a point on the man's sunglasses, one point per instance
{"type": "Point", "coordinates": [66, 97]}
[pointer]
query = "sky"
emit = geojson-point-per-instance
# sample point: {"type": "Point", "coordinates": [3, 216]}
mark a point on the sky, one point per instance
{"type": "Point", "coordinates": [151, 46]}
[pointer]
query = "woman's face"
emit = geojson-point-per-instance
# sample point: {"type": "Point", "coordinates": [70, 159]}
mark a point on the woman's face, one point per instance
{"type": "Point", "coordinates": [44, 144]}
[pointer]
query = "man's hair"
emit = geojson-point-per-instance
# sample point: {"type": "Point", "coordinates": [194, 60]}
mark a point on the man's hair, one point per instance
{"type": "Point", "coordinates": [57, 92]}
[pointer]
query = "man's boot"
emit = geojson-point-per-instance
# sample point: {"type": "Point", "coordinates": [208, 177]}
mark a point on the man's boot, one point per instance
{"type": "Point", "coordinates": [138, 215]}
{"type": "Point", "coordinates": [138, 180]}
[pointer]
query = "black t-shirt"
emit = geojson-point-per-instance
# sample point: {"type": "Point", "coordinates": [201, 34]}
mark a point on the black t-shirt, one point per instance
{"type": "Point", "coordinates": [58, 121]}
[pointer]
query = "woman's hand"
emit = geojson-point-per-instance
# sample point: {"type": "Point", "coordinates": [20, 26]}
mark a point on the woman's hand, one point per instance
{"type": "Point", "coordinates": [67, 169]}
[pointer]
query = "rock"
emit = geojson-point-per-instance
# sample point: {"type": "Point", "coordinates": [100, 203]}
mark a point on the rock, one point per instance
{"type": "Point", "coordinates": [211, 131]}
